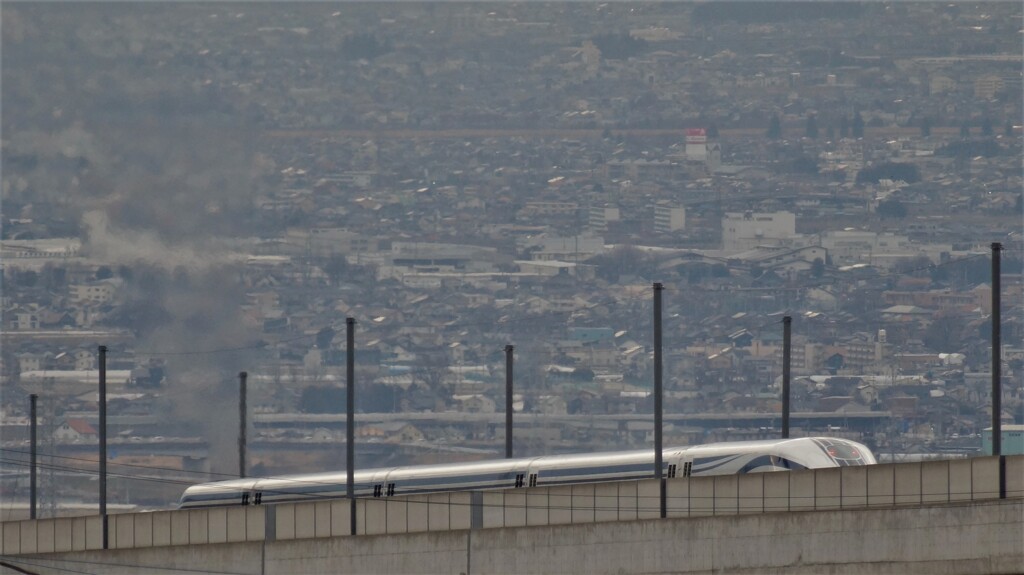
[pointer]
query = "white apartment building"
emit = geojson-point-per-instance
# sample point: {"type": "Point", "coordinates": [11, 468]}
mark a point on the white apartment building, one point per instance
{"type": "Point", "coordinates": [549, 209]}
{"type": "Point", "coordinates": [96, 292]}
{"type": "Point", "coordinates": [746, 230]}
{"type": "Point", "coordinates": [566, 249]}
{"type": "Point", "coordinates": [858, 246]}
{"type": "Point", "coordinates": [42, 249]}
{"type": "Point", "coordinates": [599, 216]}
{"type": "Point", "coordinates": [327, 242]}
{"type": "Point", "coordinates": [986, 87]}
{"type": "Point", "coordinates": [668, 219]}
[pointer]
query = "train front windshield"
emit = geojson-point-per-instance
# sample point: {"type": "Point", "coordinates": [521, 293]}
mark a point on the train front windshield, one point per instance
{"type": "Point", "coordinates": [845, 453]}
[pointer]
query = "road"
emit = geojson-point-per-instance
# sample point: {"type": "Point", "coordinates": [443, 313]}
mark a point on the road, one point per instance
{"type": "Point", "coordinates": [560, 133]}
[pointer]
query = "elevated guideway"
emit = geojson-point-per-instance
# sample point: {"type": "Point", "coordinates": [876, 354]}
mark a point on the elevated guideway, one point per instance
{"type": "Point", "coordinates": [855, 420]}
{"type": "Point", "coordinates": [925, 517]}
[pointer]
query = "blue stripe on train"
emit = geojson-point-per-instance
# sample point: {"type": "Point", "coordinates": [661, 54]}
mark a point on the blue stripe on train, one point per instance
{"type": "Point", "coordinates": [703, 461]}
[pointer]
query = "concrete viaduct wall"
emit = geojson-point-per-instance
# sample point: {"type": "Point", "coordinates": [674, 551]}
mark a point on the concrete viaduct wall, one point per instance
{"type": "Point", "coordinates": [965, 538]}
{"type": "Point", "coordinates": [884, 495]}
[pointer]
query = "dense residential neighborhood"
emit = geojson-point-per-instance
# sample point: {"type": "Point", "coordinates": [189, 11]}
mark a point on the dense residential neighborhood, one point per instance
{"type": "Point", "coordinates": [207, 189]}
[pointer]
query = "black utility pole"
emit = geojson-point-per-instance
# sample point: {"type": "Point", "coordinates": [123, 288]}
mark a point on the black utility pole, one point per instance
{"type": "Point", "coordinates": [32, 469]}
{"type": "Point", "coordinates": [997, 369]}
{"type": "Point", "coordinates": [658, 466]}
{"type": "Point", "coordinates": [508, 401]}
{"type": "Point", "coordinates": [103, 442]}
{"type": "Point", "coordinates": [787, 351]}
{"type": "Point", "coordinates": [241, 422]}
{"type": "Point", "coordinates": [350, 420]}
{"type": "Point", "coordinates": [997, 360]}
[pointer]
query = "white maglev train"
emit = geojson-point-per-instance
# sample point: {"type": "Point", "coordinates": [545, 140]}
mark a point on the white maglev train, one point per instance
{"type": "Point", "coordinates": [711, 459]}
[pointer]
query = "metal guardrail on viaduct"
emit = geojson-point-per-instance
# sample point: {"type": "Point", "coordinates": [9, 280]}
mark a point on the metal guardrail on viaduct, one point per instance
{"type": "Point", "coordinates": [928, 517]}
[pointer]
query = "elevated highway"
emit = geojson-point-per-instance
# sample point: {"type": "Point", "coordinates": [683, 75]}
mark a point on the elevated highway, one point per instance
{"type": "Point", "coordinates": [747, 419]}
{"type": "Point", "coordinates": [556, 133]}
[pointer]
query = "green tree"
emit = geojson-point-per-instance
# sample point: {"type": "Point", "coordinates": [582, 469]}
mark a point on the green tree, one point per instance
{"type": "Point", "coordinates": [803, 164]}
{"type": "Point", "coordinates": [970, 148]}
{"type": "Point", "coordinates": [623, 260]}
{"type": "Point", "coordinates": [27, 278]}
{"type": "Point", "coordinates": [1016, 365]}
{"type": "Point", "coordinates": [944, 334]}
{"type": "Point", "coordinates": [970, 271]}
{"type": "Point", "coordinates": [53, 277]}
{"type": "Point", "coordinates": [324, 338]}
{"type": "Point", "coordinates": [817, 268]}
{"type": "Point", "coordinates": [322, 400]}
{"type": "Point", "coordinates": [337, 269]}
{"type": "Point", "coordinates": [986, 127]}
{"type": "Point", "coordinates": [939, 273]}
{"type": "Point", "coordinates": [891, 209]}
{"type": "Point", "coordinates": [811, 127]}
{"type": "Point", "coordinates": [749, 11]}
{"type": "Point", "coordinates": [104, 272]}
{"type": "Point", "coordinates": [858, 126]}
{"type": "Point", "coordinates": [774, 128]}
{"type": "Point", "coordinates": [143, 317]}
{"type": "Point", "coordinates": [583, 374]}
{"type": "Point", "coordinates": [363, 46]}
{"type": "Point", "coordinates": [918, 266]}
{"type": "Point", "coordinates": [379, 398]}
{"type": "Point", "coordinates": [907, 172]}
{"type": "Point", "coordinates": [620, 46]}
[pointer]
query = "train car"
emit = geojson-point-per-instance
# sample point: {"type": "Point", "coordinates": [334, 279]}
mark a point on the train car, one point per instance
{"type": "Point", "coordinates": [711, 459]}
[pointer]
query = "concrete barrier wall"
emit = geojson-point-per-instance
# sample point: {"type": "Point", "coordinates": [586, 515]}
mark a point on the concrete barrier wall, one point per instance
{"type": "Point", "coordinates": [52, 535]}
{"type": "Point", "coordinates": [965, 538]}
{"type": "Point", "coordinates": [877, 486]}
{"type": "Point", "coordinates": [135, 530]}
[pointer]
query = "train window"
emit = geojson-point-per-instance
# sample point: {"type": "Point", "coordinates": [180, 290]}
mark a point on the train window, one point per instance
{"type": "Point", "coordinates": [687, 468]}
{"type": "Point", "coordinates": [533, 480]}
{"type": "Point", "coordinates": [259, 498]}
{"type": "Point", "coordinates": [672, 470]}
{"type": "Point", "coordinates": [377, 490]}
{"type": "Point", "coordinates": [519, 480]}
{"type": "Point", "coordinates": [245, 499]}
{"type": "Point", "coordinates": [840, 451]}
{"type": "Point", "coordinates": [391, 489]}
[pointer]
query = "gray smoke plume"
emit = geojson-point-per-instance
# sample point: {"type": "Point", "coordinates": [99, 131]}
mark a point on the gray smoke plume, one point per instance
{"type": "Point", "coordinates": [153, 170]}
{"type": "Point", "coordinates": [179, 193]}
{"type": "Point", "coordinates": [128, 246]}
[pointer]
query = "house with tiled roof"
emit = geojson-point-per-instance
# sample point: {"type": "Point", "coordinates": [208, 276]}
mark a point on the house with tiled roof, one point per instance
{"type": "Point", "coordinates": [75, 430]}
